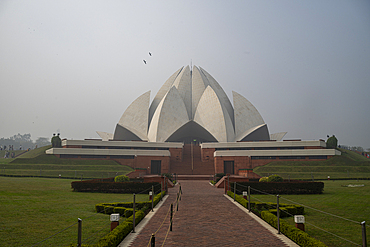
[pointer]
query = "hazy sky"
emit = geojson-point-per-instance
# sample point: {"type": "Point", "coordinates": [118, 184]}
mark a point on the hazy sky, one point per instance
{"type": "Point", "coordinates": [75, 66]}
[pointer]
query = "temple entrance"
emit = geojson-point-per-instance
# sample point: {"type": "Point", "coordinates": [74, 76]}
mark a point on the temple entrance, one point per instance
{"type": "Point", "coordinates": [155, 167]}
{"type": "Point", "coordinates": [229, 167]}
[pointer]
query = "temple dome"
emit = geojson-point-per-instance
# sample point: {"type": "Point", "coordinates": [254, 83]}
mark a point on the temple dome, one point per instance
{"type": "Point", "coordinates": [190, 105]}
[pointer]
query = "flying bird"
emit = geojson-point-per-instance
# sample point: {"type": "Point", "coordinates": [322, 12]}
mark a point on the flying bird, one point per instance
{"type": "Point", "coordinates": [144, 61]}
{"type": "Point", "coordinates": [150, 54]}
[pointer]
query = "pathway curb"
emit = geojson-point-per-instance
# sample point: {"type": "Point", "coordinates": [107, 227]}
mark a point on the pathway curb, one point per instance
{"type": "Point", "coordinates": [282, 237]}
{"type": "Point", "coordinates": [129, 239]}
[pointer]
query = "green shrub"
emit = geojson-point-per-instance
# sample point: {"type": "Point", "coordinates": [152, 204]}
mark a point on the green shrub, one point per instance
{"type": "Point", "coordinates": [298, 236]}
{"type": "Point", "coordinates": [286, 210]}
{"type": "Point", "coordinates": [129, 212]}
{"type": "Point", "coordinates": [121, 178]}
{"type": "Point", "coordinates": [264, 179]}
{"type": "Point", "coordinates": [99, 208]}
{"type": "Point", "coordinates": [116, 236]}
{"type": "Point", "coordinates": [280, 188]}
{"type": "Point", "coordinates": [332, 142]}
{"type": "Point", "coordinates": [111, 187]}
{"type": "Point", "coordinates": [275, 178]}
{"type": "Point", "coordinates": [119, 210]}
{"type": "Point", "coordinates": [108, 209]}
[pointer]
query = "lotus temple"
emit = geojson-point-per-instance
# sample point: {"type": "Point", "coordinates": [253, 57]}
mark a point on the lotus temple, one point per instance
{"type": "Point", "coordinates": [192, 128]}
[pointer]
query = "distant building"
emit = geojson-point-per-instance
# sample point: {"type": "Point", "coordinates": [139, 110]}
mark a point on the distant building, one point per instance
{"type": "Point", "coordinates": [191, 127]}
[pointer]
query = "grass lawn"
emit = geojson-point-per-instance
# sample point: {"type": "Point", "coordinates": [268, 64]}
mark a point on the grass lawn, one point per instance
{"type": "Point", "coordinates": [348, 165]}
{"type": "Point", "coordinates": [347, 202]}
{"type": "Point", "coordinates": [36, 163]}
{"type": "Point", "coordinates": [33, 209]}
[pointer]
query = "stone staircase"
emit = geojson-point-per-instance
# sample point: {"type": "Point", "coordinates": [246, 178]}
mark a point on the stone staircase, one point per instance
{"type": "Point", "coordinates": [185, 166]}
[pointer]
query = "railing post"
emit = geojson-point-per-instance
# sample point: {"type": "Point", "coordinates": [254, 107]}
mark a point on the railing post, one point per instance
{"type": "Point", "coordinates": [234, 190]}
{"type": "Point", "coordinates": [177, 206]}
{"type": "Point", "coordinates": [152, 198]}
{"type": "Point", "coordinates": [153, 240]}
{"type": "Point", "coordinates": [278, 214]}
{"type": "Point", "coordinates": [180, 192]}
{"type": "Point", "coordinates": [364, 242]}
{"type": "Point", "coordinates": [161, 191]}
{"type": "Point", "coordinates": [249, 199]}
{"type": "Point", "coordinates": [133, 216]}
{"type": "Point", "coordinates": [79, 234]}
{"type": "Point", "coordinates": [228, 182]}
{"type": "Point", "coordinates": [171, 217]}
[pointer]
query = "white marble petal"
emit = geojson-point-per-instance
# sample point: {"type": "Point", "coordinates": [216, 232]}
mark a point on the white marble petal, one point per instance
{"type": "Point", "coordinates": [256, 133]}
{"type": "Point", "coordinates": [199, 84]}
{"type": "Point", "coordinates": [213, 116]}
{"type": "Point", "coordinates": [277, 136]}
{"type": "Point", "coordinates": [220, 93]}
{"type": "Point", "coordinates": [183, 85]}
{"type": "Point", "coordinates": [170, 115]}
{"type": "Point", "coordinates": [162, 92]}
{"type": "Point", "coordinates": [105, 136]}
{"type": "Point", "coordinates": [135, 118]}
{"type": "Point", "coordinates": [246, 115]}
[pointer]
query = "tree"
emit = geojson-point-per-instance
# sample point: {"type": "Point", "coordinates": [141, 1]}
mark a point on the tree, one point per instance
{"type": "Point", "coordinates": [121, 178]}
{"type": "Point", "coordinates": [42, 141]}
{"type": "Point", "coordinates": [264, 179]}
{"type": "Point", "coordinates": [332, 142]}
{"type": "Point", "coordinates": [275, 178]}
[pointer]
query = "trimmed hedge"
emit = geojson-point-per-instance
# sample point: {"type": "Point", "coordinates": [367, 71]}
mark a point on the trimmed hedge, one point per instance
{"type": "Point", "coordinates": [281, 188]}
{"type": "Point", "coordinates": [108, 208]}
{"type": "Point", "coordinates": [295, 234]}
{"type": "Point", "coordinates": [121, 178]}
{"type": "Point", "coordinates": [119, 210]}
{"type": "Point", "coordinates": [298, 236]}
{"type": "Point", "coordinates": [111, 187]}
{"type": "Point", "coordinates": [116, 236]}
{"type": "Point", "coordinates": [284, 209]}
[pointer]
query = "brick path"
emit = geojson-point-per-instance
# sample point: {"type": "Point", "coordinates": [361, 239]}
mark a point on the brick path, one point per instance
{"type": "Point", "coordinates": [205, 218]}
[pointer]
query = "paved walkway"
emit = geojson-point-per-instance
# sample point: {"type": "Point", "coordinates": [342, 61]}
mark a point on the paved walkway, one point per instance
{"type": "Point", "coordinates": [205, 218]}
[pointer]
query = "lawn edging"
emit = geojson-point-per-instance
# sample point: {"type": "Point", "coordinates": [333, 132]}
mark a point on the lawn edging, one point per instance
{"type": "Point", "coordinates": [293, 233]}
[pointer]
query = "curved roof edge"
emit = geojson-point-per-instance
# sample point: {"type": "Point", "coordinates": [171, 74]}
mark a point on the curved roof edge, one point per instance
{"type": "Point", "coordinates": [190, 131]}
{"type": "Point", "coordinates": [277, 136]}
{"type": "Point", "coordinates": [183, 85]}
{"type": "Point", "coordinates": [170, 115]}
{"type": "Point", "coordinates": [162, 92]}
{"type": "Point", "coordinates": [105, 136]}
{"type": "Point", "coordinates": [199, 84]}
{"type": "Point", "coordinates": [243, 108]}
{"type": "Point", "coordinates": [135, 118]}
{"type": "Point", "coordinates": [209, 109]}
{"type": "Point", "coordinates": [220, 93]}
{"type": "Point", "coordinates": [123, 134]}
{"type": "Point", "coordinates": [258, 133]}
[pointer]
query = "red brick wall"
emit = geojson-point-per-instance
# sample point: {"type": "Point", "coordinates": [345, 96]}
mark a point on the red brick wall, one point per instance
{"type": "Point", "coordinates": [145, 162]}
{"type": "Point", "coordinates": [176, 154]}
{"type": "Point", "coordinates": [240, 162]}
{"type": "Point", "coordinates": [207, 154]}
{"type": "Point", "coordinates": [138, 162]}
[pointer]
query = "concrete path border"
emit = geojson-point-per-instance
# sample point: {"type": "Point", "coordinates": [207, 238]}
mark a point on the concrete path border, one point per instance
{"type": "Point", "coordinates": [131, 236]}
{"type": "Point", "coordinates": [266, 225]}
